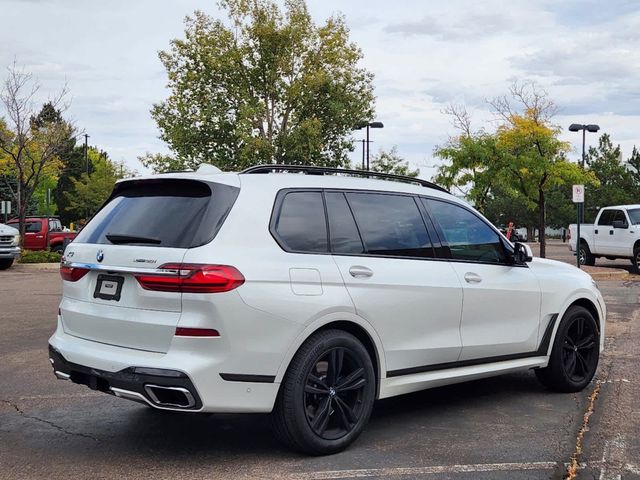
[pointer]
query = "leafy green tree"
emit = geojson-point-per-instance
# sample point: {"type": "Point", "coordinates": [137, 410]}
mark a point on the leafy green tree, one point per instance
{"type": "Point", "coordinates": [474, 165]}
{"type": "Point", "coordinates": [268, 86]}
{"type": "Point", "coordinates": [522, 161]}
{"type": "Point", "coordinates": [30, 142]}
{"type": "Point", "coordinates": [616, 182]}
{"type": "Point", "coordinates": [390, 161]}
{"type": "Point", "coordinates": [73, 166]}
{"type": "Point", "coordinates": [633, 164]}
{"type": "Point", "coordinates": [89, 192]}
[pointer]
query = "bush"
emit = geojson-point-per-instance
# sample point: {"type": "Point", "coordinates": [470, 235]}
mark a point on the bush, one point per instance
{"type": "Point", "coordinates": [40, 256]}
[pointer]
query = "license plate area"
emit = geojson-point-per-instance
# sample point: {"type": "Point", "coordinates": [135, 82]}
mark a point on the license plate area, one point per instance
{"type": "Point", "coordinates": [108, 287]}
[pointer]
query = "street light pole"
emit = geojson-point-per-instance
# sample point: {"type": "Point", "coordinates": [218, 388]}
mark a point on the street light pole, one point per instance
{"type": "Point", "coordinates": [367, 125]}
{"type": "Point", "coordinates": [86, 153]}
{"type": "Point", "coordinates": [368, 147]}
{"type": "Point", "coordinates": [576, 127]}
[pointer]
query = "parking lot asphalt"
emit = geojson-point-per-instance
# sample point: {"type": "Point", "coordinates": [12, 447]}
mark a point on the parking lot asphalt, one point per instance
{"type": "Point", "coordinates": [507, 427]}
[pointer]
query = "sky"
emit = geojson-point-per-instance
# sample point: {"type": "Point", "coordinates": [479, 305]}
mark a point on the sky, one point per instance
{"type": "Point", "coordinates": [425, 55]}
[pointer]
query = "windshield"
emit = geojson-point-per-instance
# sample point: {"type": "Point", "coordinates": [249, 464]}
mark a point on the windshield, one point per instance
{"type": "Point", "coordinates": [161, 213]}
{"type": "Point", "coordinates": [634, 216]}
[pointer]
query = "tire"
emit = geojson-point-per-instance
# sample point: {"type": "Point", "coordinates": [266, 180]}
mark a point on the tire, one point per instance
{"type": "Point", "coordinates": [586, 257]}
{"type": "Point", "coordinates": [320, 411]}
{"type": "Point", "coordinates": [58, 249]}
{"type": "Point", "coordinates": [636, 259]}
{"type": "Point", "coordinates": [575, 353]}
{"type": "Point", "coordinates": [6, 263]}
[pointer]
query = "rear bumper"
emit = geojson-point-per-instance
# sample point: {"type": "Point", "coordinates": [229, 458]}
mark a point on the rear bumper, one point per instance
{"type": "Point", "coordinates": [190, 364]}
{"type": "Point", "coordinates": [133, 383]}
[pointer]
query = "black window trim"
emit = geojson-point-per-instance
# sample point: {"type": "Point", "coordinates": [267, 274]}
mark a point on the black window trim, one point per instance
{"type": "Point", "coordinates": [275, 214]}
{"type": "Point", "coordinates": [504, 243]}
{"type": "Point", "coordinates": [397, 194]}
{"type": "Point", "coordinates": [277, 207]}
{"type": "Point", "coordinates": [439, 244]}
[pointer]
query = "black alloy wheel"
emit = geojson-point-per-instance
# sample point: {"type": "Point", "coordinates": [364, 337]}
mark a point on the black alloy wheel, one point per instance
{"type": "Point", "coordinates": [580, 350]}
{"type": "Point", "coordinates": [575, 353]}
{"type": "Point", "coordinates": [327, 395]}
{"type": "Point", "coordinates": [333, 393]}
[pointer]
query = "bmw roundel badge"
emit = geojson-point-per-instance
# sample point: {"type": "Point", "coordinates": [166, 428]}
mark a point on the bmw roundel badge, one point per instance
{"type": "Point", "coordinates": [100, 256]}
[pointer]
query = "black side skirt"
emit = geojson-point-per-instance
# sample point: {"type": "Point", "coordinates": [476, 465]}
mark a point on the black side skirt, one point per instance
{"type": "Point", "coordinates": [540, 352]}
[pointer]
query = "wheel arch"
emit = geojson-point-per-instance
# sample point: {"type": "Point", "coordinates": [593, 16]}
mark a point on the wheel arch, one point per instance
{"type": "Point", "coordinates": [581, 301]}
{"type": "Point", "coordinates": [357, 327]}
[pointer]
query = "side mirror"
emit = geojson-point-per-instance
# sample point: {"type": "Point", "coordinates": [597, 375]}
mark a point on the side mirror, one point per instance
{"type": "Point", "coordinates": [522, 253]}
{"type": "Point", "coordinates": [620, 224]}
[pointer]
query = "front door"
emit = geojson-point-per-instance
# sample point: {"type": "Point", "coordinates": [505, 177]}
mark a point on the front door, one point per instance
{"type": "Point", "coordinates": [501, 312]}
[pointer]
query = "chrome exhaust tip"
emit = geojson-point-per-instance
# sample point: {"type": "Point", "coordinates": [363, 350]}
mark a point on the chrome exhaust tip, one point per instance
{"type": "Point", "coordinates": [61, 375]}
{"type": "Point", "coordinates": [173, 397]}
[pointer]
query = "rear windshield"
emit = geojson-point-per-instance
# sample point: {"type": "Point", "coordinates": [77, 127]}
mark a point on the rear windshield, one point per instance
{"type": "Point", "coordinates": [161, 213]}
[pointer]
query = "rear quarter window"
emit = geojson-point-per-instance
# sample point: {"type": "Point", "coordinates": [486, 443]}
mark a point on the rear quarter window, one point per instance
{"type": "Point", "coordinates": [300, 224]}
{"type": "Point", "coordinates": [173, 213]}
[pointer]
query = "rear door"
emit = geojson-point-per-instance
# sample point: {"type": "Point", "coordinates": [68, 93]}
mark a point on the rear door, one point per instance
{"type": "Point", "coordinates": [387, 261]}
{"type": "Point", "coordinates": [147, 225]}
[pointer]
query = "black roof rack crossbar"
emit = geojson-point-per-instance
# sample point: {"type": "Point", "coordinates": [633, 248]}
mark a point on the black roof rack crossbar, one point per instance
{"type": "Point", "coordinates": [311, 170]}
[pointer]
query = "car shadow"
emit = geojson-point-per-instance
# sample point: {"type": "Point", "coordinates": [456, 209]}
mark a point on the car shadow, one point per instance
{"type": "Point", "coordinates": [175, 435]}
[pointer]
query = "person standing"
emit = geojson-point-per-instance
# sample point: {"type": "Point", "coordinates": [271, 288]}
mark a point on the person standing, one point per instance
{"type": "Point", "coordinates": [510, 227]}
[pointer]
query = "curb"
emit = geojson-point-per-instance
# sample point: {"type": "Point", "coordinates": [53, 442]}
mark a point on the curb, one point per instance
{"type": "Point", "coordinates": [609, 274]}
{"type": "Point", "coordinates": [38, 266]}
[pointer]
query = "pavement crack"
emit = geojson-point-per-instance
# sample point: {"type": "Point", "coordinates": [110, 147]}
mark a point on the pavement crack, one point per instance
{"type": "Point", "coordinates": [574, 465]}
{"type": "Point", "coordinates": [47, 422]}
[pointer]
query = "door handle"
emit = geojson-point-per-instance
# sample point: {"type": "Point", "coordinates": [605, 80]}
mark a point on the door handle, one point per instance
{"type": "Point", "coordinates": [358, 271]}
{"type": "Point", "coordinates": [596, 232]}
{"type": "Point", "coordinates": [610, 232]}
{"type": "Point", "coordinates": [471, 277]}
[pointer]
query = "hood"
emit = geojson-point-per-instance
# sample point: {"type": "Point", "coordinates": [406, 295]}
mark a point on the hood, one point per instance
{"type": "Point", "coordinates": [546, 266]}
{"type": "Point", "coordinates": [7, 230]}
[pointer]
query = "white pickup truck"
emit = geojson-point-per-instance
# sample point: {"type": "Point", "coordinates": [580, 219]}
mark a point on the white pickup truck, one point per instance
{"type": "Point", "coordinates": [616, 234]}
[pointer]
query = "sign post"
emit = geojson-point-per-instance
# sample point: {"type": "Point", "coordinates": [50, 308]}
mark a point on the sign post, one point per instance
{"type": "Point", "coordinates": [578, 199]}
{"type": "Point", "coordinates": [5, 208]}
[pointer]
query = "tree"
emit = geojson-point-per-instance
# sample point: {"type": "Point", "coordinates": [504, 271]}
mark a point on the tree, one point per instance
{"type": "Point", "coordinates": [73, 166]}
{"type": "Point", "coordinates": [89, 192]}
{"type": "Point", "coordinates": [29, 143]}
{"type": "Point", "coordinates": [159, 162]}
{"type": "Point", "coordinates": [521, 162]}
{"type": "Point", "coordinates": [391, 162]}
{"type": "Point", "coordinates": [616, 183]}
{"type": "Point", "coordinates": [268, 87]}
{"type": "Point", "coordinates": [474, 166]}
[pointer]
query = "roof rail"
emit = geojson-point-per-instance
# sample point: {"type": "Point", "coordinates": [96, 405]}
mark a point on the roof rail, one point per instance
{"type": "Point", "coordinates": [311, 170]}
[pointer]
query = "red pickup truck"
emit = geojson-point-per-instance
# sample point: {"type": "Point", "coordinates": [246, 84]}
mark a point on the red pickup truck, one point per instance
{"type": "Point", "coordinates": [42, 233]}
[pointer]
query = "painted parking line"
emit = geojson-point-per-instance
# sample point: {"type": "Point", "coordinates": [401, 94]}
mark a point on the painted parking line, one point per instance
{"type": "Point", "coordinates": [434, 470]}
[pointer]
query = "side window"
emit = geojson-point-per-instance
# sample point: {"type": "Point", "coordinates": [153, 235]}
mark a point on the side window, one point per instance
{"type": "Point", "coordinates": [33, 227]}
{"type": "Point", "coordinates": [606, 217]}
{"type": "Point", "coordinates": [301, 224]}
{"type": "Point", "coordinates": [619, 216]}
{"type": "Point", "coordinates": [390, 225]}
{"type": "Point", "coordinates": [342, 227]}
{"type": "Point", "coordinates": [468, 236]}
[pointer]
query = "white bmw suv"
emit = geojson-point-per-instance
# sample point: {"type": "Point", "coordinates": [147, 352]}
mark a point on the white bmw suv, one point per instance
{"type": "Point", "coordinates": [309, 293]}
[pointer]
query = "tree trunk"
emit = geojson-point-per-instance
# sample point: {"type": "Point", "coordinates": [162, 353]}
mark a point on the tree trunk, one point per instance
{"type": "Point", "coordinates": [541, 226]}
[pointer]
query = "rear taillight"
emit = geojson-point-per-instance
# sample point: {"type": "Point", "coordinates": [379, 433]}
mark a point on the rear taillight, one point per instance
{"type": "Point", "coordinates": [72, 274]}
{"type": "Point", "coordinates": [192, 278]}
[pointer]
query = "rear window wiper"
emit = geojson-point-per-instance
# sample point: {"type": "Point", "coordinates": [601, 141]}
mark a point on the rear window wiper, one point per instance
{"type": "Point", "coordinates": [118, 239]}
